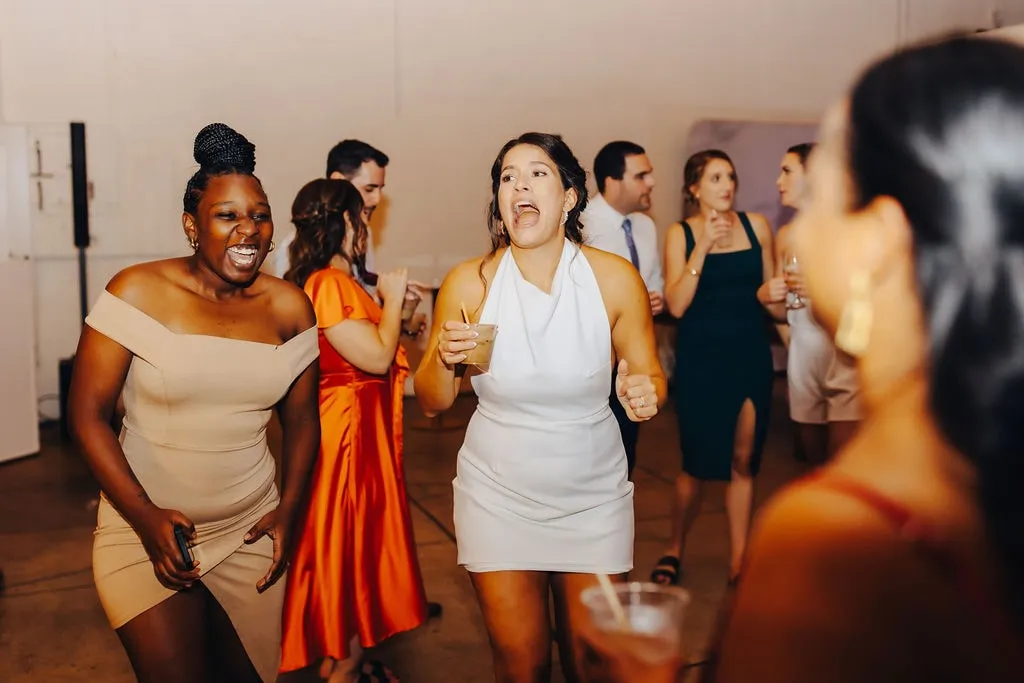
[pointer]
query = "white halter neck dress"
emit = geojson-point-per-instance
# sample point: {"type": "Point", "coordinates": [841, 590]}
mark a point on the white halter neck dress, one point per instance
{"type": "Point", "coordinates": [541, 482]}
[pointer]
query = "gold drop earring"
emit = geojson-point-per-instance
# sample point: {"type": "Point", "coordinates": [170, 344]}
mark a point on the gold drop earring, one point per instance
{"type": "Point", "coordinates": [857, 317]}
{"type": "Point", "coordinates": [192, 242]}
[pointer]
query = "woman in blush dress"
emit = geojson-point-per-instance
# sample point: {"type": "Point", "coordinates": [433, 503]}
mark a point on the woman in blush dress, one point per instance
{"type": "Point", "coordinates": [202, 349]}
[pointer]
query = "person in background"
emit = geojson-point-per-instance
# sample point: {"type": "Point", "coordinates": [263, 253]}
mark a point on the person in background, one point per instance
{"type": "Point", "coordinates": [715, 262]}
{"type": "Point", "coordinates": [203, 348]}
{"type": "Point", "coordinates": [542, 498]}
{"type": "Point", "coordinates": [355, 579]}
{"type": "Point", "coordinates": [365, 167]}
{"type": "Point", "coordinates": [824, 397]}
{"type": "Point", "coordinates": [902, 559]}
{"type": "Point", "coordinates": [614, 221]}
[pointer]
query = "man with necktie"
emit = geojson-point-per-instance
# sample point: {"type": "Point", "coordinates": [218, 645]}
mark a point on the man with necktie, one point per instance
{"type": "Point", "coordinates": [615, 221]}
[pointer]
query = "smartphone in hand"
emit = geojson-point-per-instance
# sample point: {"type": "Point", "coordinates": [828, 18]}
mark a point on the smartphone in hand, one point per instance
{"type": "Point", "coordinates": [186, 552]}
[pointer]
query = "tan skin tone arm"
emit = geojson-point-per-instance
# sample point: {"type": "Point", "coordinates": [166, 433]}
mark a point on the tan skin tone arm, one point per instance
{"type": "Point", "coordinates": [101, 366]}
{"type": "Point", "coordinates": [299, 415]}
{"type": "Point", "coordinates": [633, 338]}
{"type": "Point", "coordinates": [437, 382]}
{"type": "Point", "coordinates": [680, 283]}
{"type": "Point", "coordinates": [774, 284]}
{"type": "Point", "coordinates": [369, 347]}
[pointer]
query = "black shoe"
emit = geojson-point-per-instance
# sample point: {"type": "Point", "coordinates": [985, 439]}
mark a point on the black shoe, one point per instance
{"type": "Point", "coordinates": [667, 572]}
{"type": "Point", "coordinates": [434, 610]}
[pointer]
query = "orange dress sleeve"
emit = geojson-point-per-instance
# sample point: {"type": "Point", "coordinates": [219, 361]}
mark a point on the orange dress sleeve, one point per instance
{"type": "Point", "coordinates": [337, 297]}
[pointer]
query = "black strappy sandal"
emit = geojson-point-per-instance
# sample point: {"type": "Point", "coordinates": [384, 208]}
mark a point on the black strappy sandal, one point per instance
{"type": "Point", "coordinates": [667, 572]}
{"type": "Point", "coordinates": [375, 672]}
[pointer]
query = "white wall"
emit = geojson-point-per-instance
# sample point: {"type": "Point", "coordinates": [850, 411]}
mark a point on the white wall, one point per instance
{"type": "Point", "coordinates": [438, 85]}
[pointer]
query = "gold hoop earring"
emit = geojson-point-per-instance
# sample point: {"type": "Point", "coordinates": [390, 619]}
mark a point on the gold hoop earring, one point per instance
{"type": "Point", "coordinates": [857, 317]}
{"type": "Point", "coordinates": [272, 245]}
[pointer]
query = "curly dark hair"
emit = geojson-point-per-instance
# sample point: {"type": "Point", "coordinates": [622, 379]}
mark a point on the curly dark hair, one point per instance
{"type": "Point", "coordinates": [318, 213]}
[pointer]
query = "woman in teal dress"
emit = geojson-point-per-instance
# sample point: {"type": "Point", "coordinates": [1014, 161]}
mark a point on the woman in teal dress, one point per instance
{"type": "Point", "coordinates": [722, 385]}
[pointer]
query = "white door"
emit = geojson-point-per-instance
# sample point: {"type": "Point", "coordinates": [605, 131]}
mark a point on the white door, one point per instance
{"type": "Point", "coordinates": [19, 409]}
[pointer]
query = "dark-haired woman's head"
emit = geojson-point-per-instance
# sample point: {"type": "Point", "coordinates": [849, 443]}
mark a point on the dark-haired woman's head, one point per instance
{"type": "Point", "coordinates": [917, 208]}
{"type": "Point", "coordinates": [227, 218]}
{"type": "Point", "coordinates": [328, 218]}
{"type": "Point", "coordinates": [709, 182]}
{"type": "Point", "coordinates": [791, 181]}
{"type": "Point", "coordinates": [539, 191]}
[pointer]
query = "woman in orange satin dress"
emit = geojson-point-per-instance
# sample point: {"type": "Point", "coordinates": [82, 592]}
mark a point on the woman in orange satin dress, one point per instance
{"type": "Point", "coordinates": [355, 578]}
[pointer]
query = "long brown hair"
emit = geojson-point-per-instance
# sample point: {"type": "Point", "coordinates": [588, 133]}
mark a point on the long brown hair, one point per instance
{"type": "Point", "coordinates": [319, 213]}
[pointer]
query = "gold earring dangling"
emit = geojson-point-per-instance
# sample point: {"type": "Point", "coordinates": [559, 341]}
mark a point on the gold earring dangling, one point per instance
{"type": "Point", "coordinates": [857, 317]}
{"type": "Point", "coordinates": [272, 245]}
{"type": "Point", "coordinates": [565, 216]}
{"type": "Point", "coordinates": [192, 242]}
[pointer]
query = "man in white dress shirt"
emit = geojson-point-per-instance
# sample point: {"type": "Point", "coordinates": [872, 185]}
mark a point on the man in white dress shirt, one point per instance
{"type": "Point", "coordinates": [614, 221]}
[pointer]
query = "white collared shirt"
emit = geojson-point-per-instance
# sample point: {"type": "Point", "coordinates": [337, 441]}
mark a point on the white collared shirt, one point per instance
{"type": "Point", "coordinates": [602, 229]}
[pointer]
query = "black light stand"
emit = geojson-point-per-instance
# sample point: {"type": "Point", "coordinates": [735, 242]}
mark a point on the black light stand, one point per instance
{"type": "Point", "coordinates": [80, 211]}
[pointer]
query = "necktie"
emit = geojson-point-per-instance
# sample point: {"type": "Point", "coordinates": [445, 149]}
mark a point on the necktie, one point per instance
{"type": "Point", "coordinates": [627, 227]}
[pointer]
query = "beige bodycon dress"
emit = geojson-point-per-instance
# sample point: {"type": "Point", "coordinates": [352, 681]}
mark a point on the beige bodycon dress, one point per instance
{"type": "Point", "coordinates": [196, 413]}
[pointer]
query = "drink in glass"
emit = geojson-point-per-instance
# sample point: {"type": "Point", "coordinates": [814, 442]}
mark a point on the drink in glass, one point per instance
{"type": "Point", "coordinates": [794, 300]}
{"type": "Point", "coordinates": [480, 355]}
{"type": "Point", "coordinates": [653, 628]}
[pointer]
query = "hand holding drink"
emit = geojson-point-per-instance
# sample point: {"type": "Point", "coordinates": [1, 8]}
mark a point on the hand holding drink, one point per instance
{"type": "Point", "coordinates": [718, 230]}
{"type": "Point", "coordinates": [794, 281]}
{"type": "Point", "coordinates": [464, 342]}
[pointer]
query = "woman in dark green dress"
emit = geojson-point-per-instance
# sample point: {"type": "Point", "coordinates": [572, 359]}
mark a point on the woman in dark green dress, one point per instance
{"type": "Point", "coordinates": [722, 385]}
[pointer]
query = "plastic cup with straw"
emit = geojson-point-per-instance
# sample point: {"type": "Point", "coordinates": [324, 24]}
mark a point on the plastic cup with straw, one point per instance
{"type": "Point", "coordinates": [646, 617]}
{"type": "Point", "coordinates": [480, 355]}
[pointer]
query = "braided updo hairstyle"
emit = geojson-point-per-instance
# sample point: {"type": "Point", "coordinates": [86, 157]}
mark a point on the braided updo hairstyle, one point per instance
{"type": "Point", "coordinates": [319, 212]}
{"type": "Point", "coordinates": [219, 150]}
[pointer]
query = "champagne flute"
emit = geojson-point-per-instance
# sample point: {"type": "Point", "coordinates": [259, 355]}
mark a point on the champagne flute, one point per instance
{"type": "Point", "coordinates": [795, 301]}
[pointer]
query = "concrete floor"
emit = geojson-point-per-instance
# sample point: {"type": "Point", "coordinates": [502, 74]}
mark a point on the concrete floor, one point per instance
{"type": "Point", "coordinates": [52, 628]}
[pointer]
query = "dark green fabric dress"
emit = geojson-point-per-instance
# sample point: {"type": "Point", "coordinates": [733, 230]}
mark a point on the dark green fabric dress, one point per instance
{"type": "Point", "coordinates": [723, 357]}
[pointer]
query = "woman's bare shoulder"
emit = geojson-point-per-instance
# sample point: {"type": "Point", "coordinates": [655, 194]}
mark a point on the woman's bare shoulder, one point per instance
{"type": "Point", "coordinates": [146, 283]}
{"type": "Point", "coordinates": [290, 304]}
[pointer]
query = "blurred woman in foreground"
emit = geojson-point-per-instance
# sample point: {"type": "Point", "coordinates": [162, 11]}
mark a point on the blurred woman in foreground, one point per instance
{"type": "Point", "coordinates": [903, 559]}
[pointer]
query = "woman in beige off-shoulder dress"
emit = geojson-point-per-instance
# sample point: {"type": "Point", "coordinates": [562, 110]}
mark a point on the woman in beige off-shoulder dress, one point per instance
{"type": "Point", "coordinates": [202, 348]}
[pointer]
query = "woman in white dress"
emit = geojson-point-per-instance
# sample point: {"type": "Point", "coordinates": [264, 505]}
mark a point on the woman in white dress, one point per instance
{"type": "Point", "coordinates": [542, 499]}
